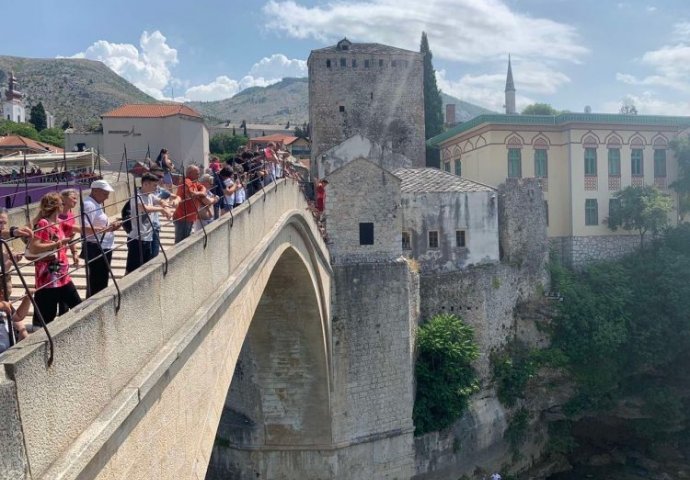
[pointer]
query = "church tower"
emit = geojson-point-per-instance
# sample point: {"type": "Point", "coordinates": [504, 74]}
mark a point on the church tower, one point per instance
{"type": "Point", "coordinates": [510, 91]}
{"type": "Point", "coordinates": [13, 104]}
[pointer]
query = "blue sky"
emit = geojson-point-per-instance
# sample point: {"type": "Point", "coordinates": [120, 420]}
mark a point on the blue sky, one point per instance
{"type": "Point", "coordinates": [566, 53]}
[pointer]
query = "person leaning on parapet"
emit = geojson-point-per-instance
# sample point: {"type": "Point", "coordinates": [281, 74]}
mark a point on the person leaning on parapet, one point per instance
{"type": "Point", "coordinates": [140, 238]}
{"type": "Point", "coordinates": [98, 229]}
{"type": "Point", "coordinates": [165, 198]}
{"type": "Point", "coordinates": [191, 192]}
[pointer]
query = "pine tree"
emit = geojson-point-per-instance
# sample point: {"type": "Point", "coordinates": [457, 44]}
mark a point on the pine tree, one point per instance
{"type": "Point", "coordinates": [38, 117]}
{"type": "Point", "coordinates": [433, 105]}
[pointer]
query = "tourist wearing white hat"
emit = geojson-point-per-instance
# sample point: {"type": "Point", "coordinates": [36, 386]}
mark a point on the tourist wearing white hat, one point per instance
{"type": "Point", "coordinates": [98, 229]}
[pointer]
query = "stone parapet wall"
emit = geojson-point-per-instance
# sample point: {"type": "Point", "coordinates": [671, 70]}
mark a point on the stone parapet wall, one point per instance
{"type": "Point", "coordinates": [578, 252]}
{"type": "Point", "coordinates": [119, 376]}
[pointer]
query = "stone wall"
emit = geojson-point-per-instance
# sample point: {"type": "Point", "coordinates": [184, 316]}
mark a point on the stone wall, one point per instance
{"type": "Point", "coordinates": [385, 104]}
{"type": "Point", "coordinates": [578, 252]}
{"type": "Point", "coordinates": [522, 223]}
{"type": "Point", "coordinates": [374, 315]}
{"type": "Point", "coordinates": [475, 213]}
{"type": "Point", "coordinates": [361, 192]}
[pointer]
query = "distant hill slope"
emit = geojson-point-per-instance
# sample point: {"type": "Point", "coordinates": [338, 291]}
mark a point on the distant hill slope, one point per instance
{"type": "Point", "coordinates": [69, 88]}
{"type": "Point", "coordinates": [288, 100]}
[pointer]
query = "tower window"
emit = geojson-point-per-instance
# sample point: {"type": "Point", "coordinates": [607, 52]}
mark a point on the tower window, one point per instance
{"type": "Point", "coordinates": [460, 238]}
{"type": "Point", "coordinates": [406, 241]}
{"type": "Point", "coordinates": [341, 108]}
{"type": "Point", "coordinates": [366, 233]}
{"type": "Point", "coordinates": [366, 63]}
{"type": "Point", "coordinates": [433, 239]}
{"type": "Point", "coordinates": [380, 63]}
{"type": "Point", "coordinates": [371, 95]}
{"type": "Point", "coordinates": [328, 64]}
{"type": "Point", "coordinates": [343, 62]}
{"type": "Point", "coordinates": [394, 63]}
{"type": "Point", "coordinates": [354, 63]}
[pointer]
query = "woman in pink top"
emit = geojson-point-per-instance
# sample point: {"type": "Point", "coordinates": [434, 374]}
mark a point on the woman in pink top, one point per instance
{"type": "Point", "coordinates": [53, 283]}
{"type": "Point", "coordinates": [70, 197]}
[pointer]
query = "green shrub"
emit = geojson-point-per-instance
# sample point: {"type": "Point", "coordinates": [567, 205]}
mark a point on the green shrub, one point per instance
{"type": "Point", "coordinates": [445, 376]}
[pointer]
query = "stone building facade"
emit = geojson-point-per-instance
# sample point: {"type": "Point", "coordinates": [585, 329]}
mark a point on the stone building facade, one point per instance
{"type": "Point", "coordinates": [448, 222]}
{"type": "Point", "coordinates": [369, 89]}
{"type": "Point", "coordinates": [363, 214]}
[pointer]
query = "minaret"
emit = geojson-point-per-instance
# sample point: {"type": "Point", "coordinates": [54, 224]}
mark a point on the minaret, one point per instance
{"type": "Point", "coordinates": [13, 106]}
{"type": "Point", "coordinates": [510, 91]}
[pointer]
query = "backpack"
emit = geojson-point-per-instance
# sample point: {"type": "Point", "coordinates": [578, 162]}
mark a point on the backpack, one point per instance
{"type": "Point", "coordinates": [126, 214]}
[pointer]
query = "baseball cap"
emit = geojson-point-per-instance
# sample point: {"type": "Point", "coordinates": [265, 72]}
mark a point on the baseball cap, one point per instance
{"type": "Point", "coordinates": [103, 185]}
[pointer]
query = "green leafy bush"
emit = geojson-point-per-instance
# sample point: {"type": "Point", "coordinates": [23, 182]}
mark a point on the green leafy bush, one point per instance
{"type": "Point", "coordinates": [621, 320]}
{"type": "Point", "coordinates": [445, 376]}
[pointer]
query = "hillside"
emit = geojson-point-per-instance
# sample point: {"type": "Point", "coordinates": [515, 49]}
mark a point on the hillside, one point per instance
{"type": "Point", "coordinates": [76, 89]}
{"type": "Point", "coordinates": [288, 100]}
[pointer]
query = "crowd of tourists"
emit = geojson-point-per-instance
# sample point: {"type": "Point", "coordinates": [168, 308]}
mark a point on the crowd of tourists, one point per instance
{"type": "Point", "coordinates": [56, 232]}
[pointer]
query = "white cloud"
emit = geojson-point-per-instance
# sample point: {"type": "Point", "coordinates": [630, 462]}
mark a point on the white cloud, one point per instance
{"type": "Point", "coordinates": [670, 63]}
{"type": "Point", "coordinates": [224, 87]}
{"type": "Point", "coordinates": [649, 104]}
{"type": "Point", "coordinates": [487, 90]}
{"type": "Point", "coordinates": [461, 30]}
{"type": "Point", "coordinates": [279, 66]}
{"type": "Point", "coordinates": [483, 90]}
{"type": "Point", "coordinates": [267, 71]}
{"type": "Point", "coordinates": [147, 67]}
{"type": "Point", "coordinates": [651, 9]}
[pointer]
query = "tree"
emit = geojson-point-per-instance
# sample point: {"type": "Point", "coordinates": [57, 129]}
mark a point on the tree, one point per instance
{"type": "Point", "coordinates": [644, 209]}
{"type": "Point", "coordinates": [681, 150]}
{"type": "Point", "coordinates": [8, 127]}
{"type": "Point", "coordinates": [445, 376]}
{"type": "Point", "coordinates": [224, 143]}
{"type": "Point", "coordinates": [38, 117]}
{"type": "Point", "coordinates": [54, 136]}
{"type": "Point", "coordinates": [628, 108]}
{"type": "Point", "coordinates": [433, 104]}
{"type": "Point", "coordinates": [539, 109]}
{"type": "Point", "coordinates": [302, 132]}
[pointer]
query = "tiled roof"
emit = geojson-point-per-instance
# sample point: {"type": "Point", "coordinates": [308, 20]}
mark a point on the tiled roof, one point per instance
{"type": "Point", "coordinates": [152, 110]}
{"type": "Point", "coordinates": [420, 180]}
{"type": "Point", "coordinates": [562, 119]}
{"type": "Point", "coordinates": [366, 48]}
{"type": "Point", "coordinates": [255, 126]}
{"type": "Point", "coordinates": [276, 137]}
{"type": "Point", "coordinates": [22, 143]}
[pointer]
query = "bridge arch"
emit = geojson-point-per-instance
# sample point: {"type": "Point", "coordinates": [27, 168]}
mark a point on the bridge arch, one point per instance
{"type": "Point", "coordinates": [165, 385]}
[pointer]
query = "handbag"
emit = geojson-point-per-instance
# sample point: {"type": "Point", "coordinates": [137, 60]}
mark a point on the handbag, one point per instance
{"type": "Point", "coordinates": [38, 257]}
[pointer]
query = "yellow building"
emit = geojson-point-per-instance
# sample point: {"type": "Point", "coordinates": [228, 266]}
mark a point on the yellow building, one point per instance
{"type": "Point", "coordinates": [583, 159]}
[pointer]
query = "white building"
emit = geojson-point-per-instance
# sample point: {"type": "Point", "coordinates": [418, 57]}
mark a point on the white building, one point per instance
{"type": "Point", "coordinates": [448, 222]}
{"type": "Point", "coordinates": [13, 107]}
{"type": "Point", "coordinates": [143, 128]}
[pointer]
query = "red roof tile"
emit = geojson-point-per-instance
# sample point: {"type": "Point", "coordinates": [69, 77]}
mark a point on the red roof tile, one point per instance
{"type": "Point", "coordinates": [276, 137]}
{"type": "Point", "coordinates": [22, 143]}
{"type": "Point", "coordinates": [152, 110]}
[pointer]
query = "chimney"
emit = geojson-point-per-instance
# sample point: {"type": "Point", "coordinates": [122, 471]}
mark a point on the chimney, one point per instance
{"type": "Point", "coordinates": [450, 114]}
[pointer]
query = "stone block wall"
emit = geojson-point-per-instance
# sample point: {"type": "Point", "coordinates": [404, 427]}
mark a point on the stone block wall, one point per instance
{"type": "Point", "coordinates": [385, 104]}
{"type": "Point", "coordinates": [578, 252]}
{"type": "Point", "coordinates": [361, 192]}
{"type": "Point", "coordinates": [522, 223]}
{"type": "Point", "coordinates": [374, 315]}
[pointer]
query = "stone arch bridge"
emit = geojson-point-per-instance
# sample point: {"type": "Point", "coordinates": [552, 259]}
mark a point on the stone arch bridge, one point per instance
{"type": "Point", "coordinates": [139, 393]}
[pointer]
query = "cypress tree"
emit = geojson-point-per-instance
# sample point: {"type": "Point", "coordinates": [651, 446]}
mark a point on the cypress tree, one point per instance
{"type": "Point", "coordinates": [433, 105]}
{"type": "Point", "coordinates": [38, 117]}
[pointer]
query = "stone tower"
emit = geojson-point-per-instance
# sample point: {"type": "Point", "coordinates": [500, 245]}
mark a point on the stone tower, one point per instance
{"type": "Point", "coordinates": [368, 89]}
{"type": "Point", "coordinates": [510, 91]}
{"type": "Point", "coordinates": [13, 105]}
